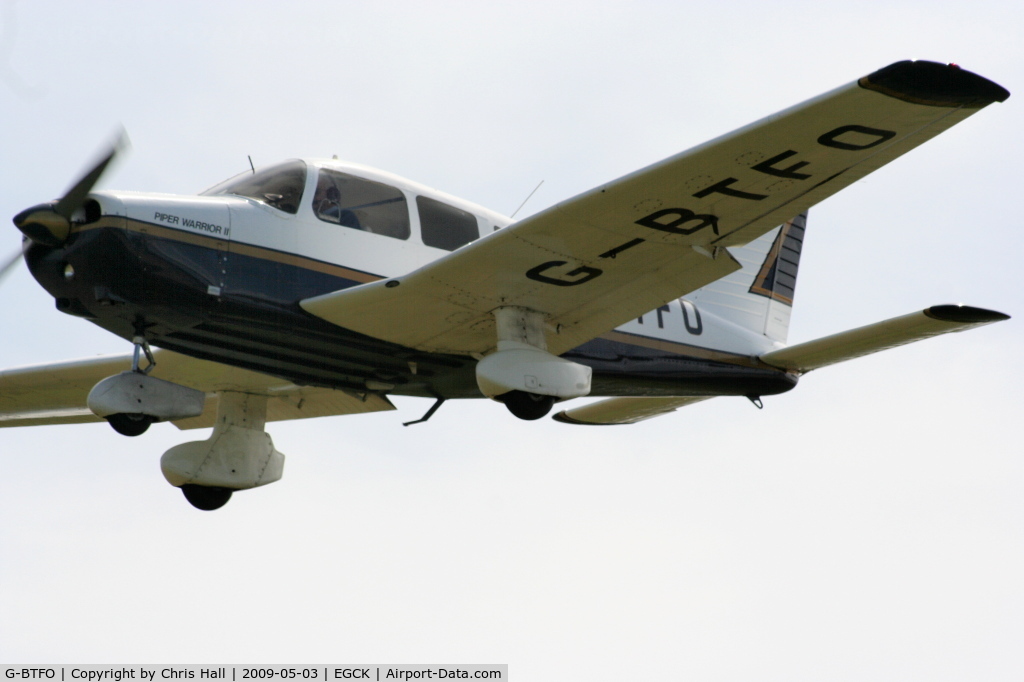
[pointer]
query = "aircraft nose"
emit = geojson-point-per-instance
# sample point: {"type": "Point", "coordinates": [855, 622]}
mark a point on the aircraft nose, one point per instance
{"type": "Point", "coordinates": [50, 223]}
{"type": "Point", "coordinates": [43, 224]}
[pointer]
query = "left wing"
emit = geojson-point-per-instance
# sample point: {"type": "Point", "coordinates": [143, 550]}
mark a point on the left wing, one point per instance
{"type": "Point", "coordinates": [602, 258]}
{"type": "Point", "coordinates": [56, 393]}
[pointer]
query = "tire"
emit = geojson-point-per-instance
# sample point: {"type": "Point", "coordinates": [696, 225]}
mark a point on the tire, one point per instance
{"type": "Point", "coordinates": [130, 424]}
{"type": "Point", "coordinates": [528, 406]}
{"type": "Point", "coordinates": [205, 497]}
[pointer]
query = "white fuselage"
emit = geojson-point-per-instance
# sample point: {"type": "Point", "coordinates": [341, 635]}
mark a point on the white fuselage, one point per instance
{"type": "Point", "coordinates": [240, 224]}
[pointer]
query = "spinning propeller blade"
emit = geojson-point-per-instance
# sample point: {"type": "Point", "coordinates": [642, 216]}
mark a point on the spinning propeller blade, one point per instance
{"type": "Point", "coordinates": [8, 265]}
{"type": "Point", "coordinates": [50, 223]}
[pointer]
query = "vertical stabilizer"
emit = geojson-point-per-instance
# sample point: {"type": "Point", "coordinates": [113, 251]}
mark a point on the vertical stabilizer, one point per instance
{"type": "Point", "coordinates": [760, 296]}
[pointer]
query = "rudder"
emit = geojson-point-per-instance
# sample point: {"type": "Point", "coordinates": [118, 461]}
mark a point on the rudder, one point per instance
{"type": "Point", "coordinates": [760, 296]}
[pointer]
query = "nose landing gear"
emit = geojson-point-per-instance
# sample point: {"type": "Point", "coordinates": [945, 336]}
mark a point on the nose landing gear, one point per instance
{"type": "Point", "coordinates": [132, 400]}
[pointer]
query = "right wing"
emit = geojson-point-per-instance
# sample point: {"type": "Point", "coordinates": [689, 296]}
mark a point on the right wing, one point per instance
{"type": "Point", "coordinates": [622, 249]}
{"type": "Point", "coordinates": [56, 393]}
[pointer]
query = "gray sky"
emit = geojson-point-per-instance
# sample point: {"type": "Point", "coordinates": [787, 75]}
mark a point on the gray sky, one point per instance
{"type": "Point", "coordinates": [868, 525]}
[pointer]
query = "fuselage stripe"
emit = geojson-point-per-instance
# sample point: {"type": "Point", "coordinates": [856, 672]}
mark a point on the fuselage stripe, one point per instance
{"type": "Point", "coordinates": [236, 247]}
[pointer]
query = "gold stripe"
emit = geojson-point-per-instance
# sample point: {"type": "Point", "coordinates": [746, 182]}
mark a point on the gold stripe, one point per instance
{"type": "Point", "coordinates": [758, 287]}
{"type": "Point", "coordinates": [234, 247]}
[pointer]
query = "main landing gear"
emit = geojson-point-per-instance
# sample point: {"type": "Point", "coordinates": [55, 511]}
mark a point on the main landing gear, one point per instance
{"type": "Point", "coordinates": [130, 424]}
{"type": "Point", "coordinates": [522, 373]}
{"type": "Point", "coordinates": [528, 406]}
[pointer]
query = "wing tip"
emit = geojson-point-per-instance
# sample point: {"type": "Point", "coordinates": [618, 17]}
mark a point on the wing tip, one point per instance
{"type": "Point", "coordinates": [934, 84]}
{"type": "Point", "coordinates": [964, 314]}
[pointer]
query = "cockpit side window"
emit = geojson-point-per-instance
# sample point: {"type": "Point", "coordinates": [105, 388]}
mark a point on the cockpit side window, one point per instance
{"type": "Point", "coordinates": [280, 186]}
{"type": "Point", "coordinates": [361, 204]}
{"type": "Point", "coordinates": [446, 227]}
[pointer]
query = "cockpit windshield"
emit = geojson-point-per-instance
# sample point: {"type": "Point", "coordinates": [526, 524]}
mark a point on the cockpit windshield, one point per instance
{"type": "Point", "coordinates": [279, 186]}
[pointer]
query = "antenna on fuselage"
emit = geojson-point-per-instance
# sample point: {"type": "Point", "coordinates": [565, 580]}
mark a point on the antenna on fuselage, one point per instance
{"type": "Point", "coordinates": [527, 199]}
{"type": "Point", "coordinates": [252, 166]}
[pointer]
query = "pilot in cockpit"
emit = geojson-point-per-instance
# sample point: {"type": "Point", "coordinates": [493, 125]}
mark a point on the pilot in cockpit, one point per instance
{"type": "Point", "coordinates": [326, 202]}
{"type": "Point", "coordinates": [327, 206]}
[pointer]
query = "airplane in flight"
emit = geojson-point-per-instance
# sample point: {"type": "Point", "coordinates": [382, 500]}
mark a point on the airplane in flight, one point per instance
{"type": "Point", "coordinates": [316, 287]}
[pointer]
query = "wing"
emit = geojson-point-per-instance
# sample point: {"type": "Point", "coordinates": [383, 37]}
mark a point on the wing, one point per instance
{"type": "Point", "coordinates": [56, 393]}
{"type": "Point", "coordinates": [624, 248]}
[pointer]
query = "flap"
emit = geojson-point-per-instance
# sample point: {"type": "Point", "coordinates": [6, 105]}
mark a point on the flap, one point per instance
{"type": "Point", "coordinates": [611, 254]}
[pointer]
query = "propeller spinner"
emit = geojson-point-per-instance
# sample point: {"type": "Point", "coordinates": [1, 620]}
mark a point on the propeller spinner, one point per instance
{"type": "Point", "coordinates": [50, 223]}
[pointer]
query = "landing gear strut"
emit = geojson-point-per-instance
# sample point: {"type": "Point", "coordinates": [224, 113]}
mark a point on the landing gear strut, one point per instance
{"type": "Point", "coordinates": [134, 424]}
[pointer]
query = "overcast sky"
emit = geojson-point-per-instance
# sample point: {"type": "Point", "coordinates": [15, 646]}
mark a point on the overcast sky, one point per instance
{"type": "Point", "coordinates": [868, 525]}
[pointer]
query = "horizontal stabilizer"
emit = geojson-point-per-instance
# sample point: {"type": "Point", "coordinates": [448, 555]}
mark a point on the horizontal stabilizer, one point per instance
{"type": "Point", "coordinates": [855, 343]}
{"type": "Point", "coordinates": [624, 410]}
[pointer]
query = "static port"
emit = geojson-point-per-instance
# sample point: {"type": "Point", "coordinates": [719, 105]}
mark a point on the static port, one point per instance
{"type": "Point", "coordinates": [69, 271]}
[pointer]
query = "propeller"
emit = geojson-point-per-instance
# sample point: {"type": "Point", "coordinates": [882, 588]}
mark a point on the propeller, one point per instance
{"type": "Point", "coordinates": [8, 265]}
{"type": "Point", "coordinates": [50, 223]}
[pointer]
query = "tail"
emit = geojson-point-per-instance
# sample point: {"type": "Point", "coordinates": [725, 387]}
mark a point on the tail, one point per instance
{"type": "Point", "coordinates": [760, 296]}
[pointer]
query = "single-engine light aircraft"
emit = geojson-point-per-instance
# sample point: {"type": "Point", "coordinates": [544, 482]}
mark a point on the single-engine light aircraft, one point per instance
{"type": "Point", "coordinates": [316, 287]}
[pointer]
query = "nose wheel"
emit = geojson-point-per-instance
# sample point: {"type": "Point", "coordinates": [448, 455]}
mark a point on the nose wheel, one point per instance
{"type": "Point", "coordinates": [130, 424]}
{"type": "Point", "coordinates": [205, 497]}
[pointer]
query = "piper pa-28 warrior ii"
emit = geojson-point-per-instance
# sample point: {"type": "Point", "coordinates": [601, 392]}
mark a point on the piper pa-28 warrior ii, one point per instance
{"type": "Point", "coordinates": [316, 287]}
